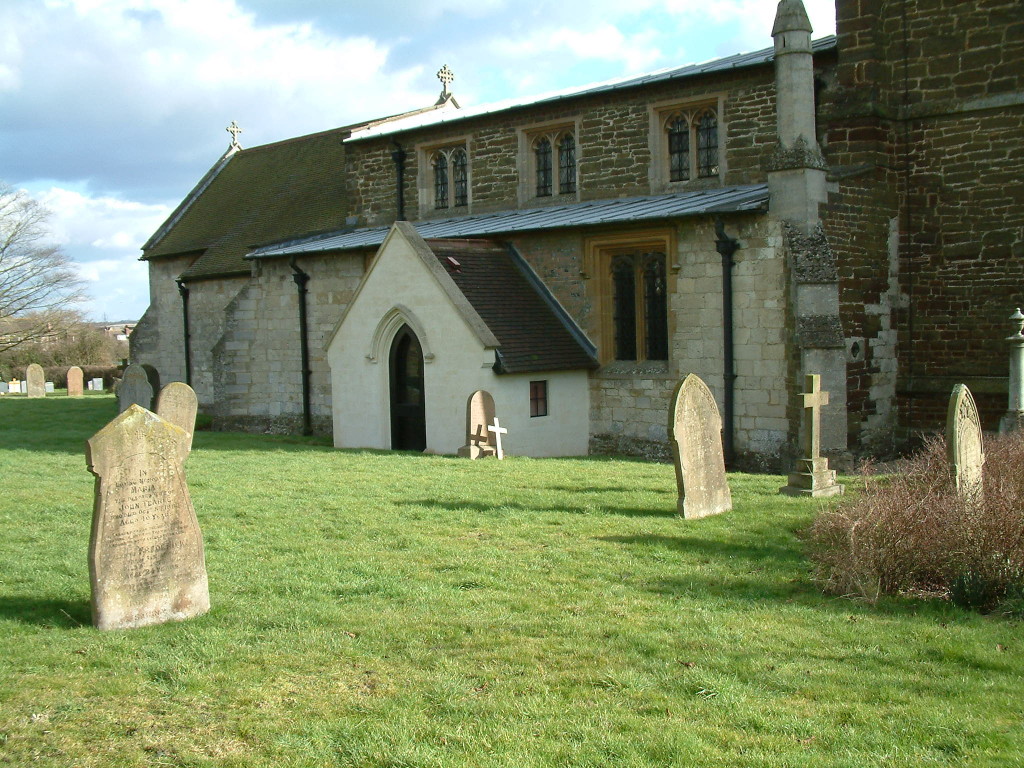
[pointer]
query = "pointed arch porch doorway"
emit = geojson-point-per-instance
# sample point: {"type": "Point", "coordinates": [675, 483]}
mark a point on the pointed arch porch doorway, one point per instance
{"type": "Point", "coordinates": [408, 411]}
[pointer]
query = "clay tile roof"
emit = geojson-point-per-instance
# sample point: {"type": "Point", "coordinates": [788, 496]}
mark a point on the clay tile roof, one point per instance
{"type": "Point", "coordinates": [534, 331]}
{"type": "Point", "coordinates": [255, 196]}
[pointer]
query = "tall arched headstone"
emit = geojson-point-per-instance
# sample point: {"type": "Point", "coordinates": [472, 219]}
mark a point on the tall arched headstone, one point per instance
{"type": "Point", "coordinates": [479, 415]}
{"type": "Point", "coordinates": [695, 432]}
{"type": "Point", "coordinates": [134, 388]}
{"type": "Point", "coordinates": [965, 444]}
{"type": "Point", "coordinates": [36, 381]}
{"type": "Point", "coordinates": [75, 382]}
{"type": "Point", "coordinates": [177, 404]}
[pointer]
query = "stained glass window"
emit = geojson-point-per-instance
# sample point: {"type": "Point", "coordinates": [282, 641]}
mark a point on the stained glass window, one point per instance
{"type": "Point", "coordinates": [460, 177]}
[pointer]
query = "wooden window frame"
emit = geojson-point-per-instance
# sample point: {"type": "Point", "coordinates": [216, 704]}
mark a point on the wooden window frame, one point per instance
{"type": "Point", "coordinates": [538, 398]}
{"type": "Point", "coordinates": [599, 254]}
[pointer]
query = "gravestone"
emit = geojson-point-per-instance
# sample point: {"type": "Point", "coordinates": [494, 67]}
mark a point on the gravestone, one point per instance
{"type": "Point", "coordinates": [177, 404]}
{"type": "Point", "coordinates": [49, 387]}
{"type": "Point", "coordinates": [35, 381]}
{"type": "Point", "coordinates": [154, 378]}
{"type": "Point", "coordinates": [497, 431]}
{"type": "Point", "coordinates": [134, 388]}
{"type": "Point", "coordinates": [24, 387]}
{"type": "Point", "coordinates": [695, 433]}
{"type": "Point", "coordinates": [812, 477]}
{"type": "Point", "coordinates": [97, 385]}
{"type": "Point", "coordinates": [964, 444]}
{"type": "Point", "coordinates": [74, 381]}
{"type": "Point", "coordinates": [146, 560]}
{"type": "Point", "coordinates": [479, 414]}
{"type": "Point", "coordinates": [4, 388]}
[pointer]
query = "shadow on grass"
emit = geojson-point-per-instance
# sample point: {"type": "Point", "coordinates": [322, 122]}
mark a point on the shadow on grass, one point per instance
{"type": "Point", "coordinates": [463, 506]}
{"type": "Point", "coordinates": [778, 554]}
{"type": "Point", "coordinates": [64, 614]}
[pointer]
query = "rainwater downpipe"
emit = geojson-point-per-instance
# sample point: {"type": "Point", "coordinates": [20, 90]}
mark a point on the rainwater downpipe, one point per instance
{"type": "Point", "coordinates": [301, 278]}
{"type": "Point", "coordinates": [183, 290]}
{"type": "Point", "coordinates": [399, 156]}
{"type": "Point", "coordinates": [727, 246]}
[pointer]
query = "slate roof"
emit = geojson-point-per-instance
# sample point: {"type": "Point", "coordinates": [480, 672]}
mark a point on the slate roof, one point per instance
{"type": "Point", "coordinates": [534, 331]}
{"type": "Point", "coordinates": [255, 196]}
{"type": "Point", "coordinates": [724, 64]}
{"type": "Point", "coordinates": [752, 197]}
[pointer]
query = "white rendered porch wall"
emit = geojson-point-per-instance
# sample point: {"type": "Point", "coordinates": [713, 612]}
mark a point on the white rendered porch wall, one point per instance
{"type": "Point", "coordinates": [400, 289]}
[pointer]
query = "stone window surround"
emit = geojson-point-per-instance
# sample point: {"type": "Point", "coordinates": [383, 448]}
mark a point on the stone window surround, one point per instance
{"type": "Point", "coordinates": [526, 163]}
{"type": "Point", "coordinates": [660, 112]}
{"type": "Point", "coordinates": [425, 178]}
{"type": "Point", "coordinates": [598, 253]}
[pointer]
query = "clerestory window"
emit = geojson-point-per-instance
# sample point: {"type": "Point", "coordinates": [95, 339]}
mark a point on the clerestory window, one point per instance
{"type": "Point", "coordinates": [549, 163]}
{"type": "Point", "coordinates": [449, 177]}
{"type": "Point", "coordinates": [686, 144]}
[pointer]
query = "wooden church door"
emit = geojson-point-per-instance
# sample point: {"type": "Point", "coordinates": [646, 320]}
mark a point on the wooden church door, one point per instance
{"type": "Point", "coordinates": [408, 414]}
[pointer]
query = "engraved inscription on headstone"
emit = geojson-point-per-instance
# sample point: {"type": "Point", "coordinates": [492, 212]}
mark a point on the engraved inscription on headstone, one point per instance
{"type": "Point", "coordinates": [146, 560]}
{"type": "Point", "coordinates": [36, 386]}
{"type": "Point", "coordinates": [479, 414]}
{"type": "Point", "coordinates": [695, 433]}
{"type": "Point", "coordinates": [177, 404]}
{"type": "Point", "coordinates": [134, 388]}
{"type": "Point", "coordinates": [74, 381]}
{"type": "Point", "coordinates": [964, 444]}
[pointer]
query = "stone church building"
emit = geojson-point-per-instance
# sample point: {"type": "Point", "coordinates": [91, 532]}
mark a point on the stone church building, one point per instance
{"type": "Point", "coordinates": [851, 206]}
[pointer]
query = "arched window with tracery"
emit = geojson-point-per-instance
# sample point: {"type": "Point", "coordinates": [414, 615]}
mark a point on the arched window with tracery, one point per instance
{"type": "Point", "coordinates": [678, 148]}
{"type": "Point", "coordinates": [449, 167]}
{"type": "Point", "coordinates": [440, 165]}
{"type": "Point", "coordinates": [707, 145]}
{"type": "Point", "coordinates": [567, 165]}
{"type": "Point", "coordinates": [542, 163]}
{"type": "Point", "coordinates": [460, 178]}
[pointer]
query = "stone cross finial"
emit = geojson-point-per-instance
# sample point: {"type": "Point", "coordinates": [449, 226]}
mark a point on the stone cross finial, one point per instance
{"type": "Point", "coordinates": [498, 431]}
{"type": "Point", "coordinates": [234, 130]}
{"type": "Point", "coordinates": [446, 76]}
{"type": "Point", "coordinates": [812, 399]}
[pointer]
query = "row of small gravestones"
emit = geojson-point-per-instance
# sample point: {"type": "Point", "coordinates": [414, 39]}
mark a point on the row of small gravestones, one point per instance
{"type": "Point", "coordinates": [35, 384]}
{"type": "Point", "coordinates": [146, 558]}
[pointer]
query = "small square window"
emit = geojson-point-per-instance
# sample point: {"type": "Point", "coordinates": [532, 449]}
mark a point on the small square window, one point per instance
{"type": "Point", "coordinates": [538, 398]}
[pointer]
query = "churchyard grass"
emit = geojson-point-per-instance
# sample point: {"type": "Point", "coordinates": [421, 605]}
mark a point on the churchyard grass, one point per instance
{"type": "Point", "coordinates": [385, 610]}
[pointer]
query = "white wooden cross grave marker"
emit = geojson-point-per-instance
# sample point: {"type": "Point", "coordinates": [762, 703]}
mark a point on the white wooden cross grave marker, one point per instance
{"type": "Point", "coordinates": [498, 431]}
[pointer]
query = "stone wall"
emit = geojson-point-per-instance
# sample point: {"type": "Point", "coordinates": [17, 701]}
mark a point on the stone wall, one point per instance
{"type": "Point", "coordinates": [158, 338]}
{"type": "Point", "coordinates": [258, 357]}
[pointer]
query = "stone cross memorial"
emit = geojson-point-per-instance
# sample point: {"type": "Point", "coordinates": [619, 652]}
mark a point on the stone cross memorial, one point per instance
{"type": "Point", "coordinates": [498, 431]}
{"type": "Point", "coordinates": [134, 388]}
{"type": "Point", "coordinates": [177, 404]}
{"type": "Point", "coordinates": [964, 444]}
{"type": "Point", "coordinates": [36, 381]}
{"type": "Point", "coordinates": [812, 477]}
{"type": "Point", "coordinates": [479, 414]}
{"type": "Point", "coordinates": [75, 381]}
{"type": "Point", "coordinates": [695, 433]}
{"type": "Point", "coordinates": [146, 560]}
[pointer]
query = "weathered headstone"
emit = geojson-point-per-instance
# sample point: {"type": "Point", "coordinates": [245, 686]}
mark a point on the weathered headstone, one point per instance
{"type": "Point", "coordinates": [4, 387]}
{"type": "Point", "coordinates": [24, 387]}
{"type": "Point", "coordinates": [74, 381]}
{"type": "Point", "coordinates": [964, 444]}
{"type": "Point", "coordinates": [177, 404]}
{"type": "Point", "coordinates": [812, 476]}
{"type": "Point", "coordinates": [154, 378]}
{"type": "Point", "coordinates": [146, 560]}
{"type": "Point", "coordinates": [36, 381]}
{"type": "Point", "coordinates": [695, 433]}
{"type": "Point", "coordinates": [134, 388]}
{"type": "Point", "coordinates": [97, 385]}
{"type": "Point", "coordinates": [49, 387]}
{"type": "Point", "coordinates": [479, 414]}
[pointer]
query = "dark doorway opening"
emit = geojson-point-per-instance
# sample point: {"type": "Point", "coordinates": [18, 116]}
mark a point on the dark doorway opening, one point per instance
{"type": "Point", "coordinates": [408, 414]}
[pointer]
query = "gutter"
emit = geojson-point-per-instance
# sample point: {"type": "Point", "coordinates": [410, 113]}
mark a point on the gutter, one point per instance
{"type": "Point", "coordinates": [183, 290]}
{"type": "Point", "coordinates": [301, 279]}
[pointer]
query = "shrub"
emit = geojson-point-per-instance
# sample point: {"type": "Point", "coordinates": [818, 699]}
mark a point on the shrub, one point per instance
{"type": "Point", "coordinates": [909, 532]}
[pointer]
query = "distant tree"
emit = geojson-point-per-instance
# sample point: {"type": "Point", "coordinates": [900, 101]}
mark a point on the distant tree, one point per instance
{"type": "Point", "coordinates": [38, 285]}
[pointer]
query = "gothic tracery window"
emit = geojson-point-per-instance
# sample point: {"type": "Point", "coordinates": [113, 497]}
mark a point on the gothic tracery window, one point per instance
{"type": "Point", "coordinates": [691, 143]}
{"type": "Point", "coordinates": [639, 306]}
{"type": "Point", "coordinates": [567, 165]}
{"type": "Point", "coordinates": [552, 162]}
{"type": "Point", "coordinates": [707, 145]}
{"type": "Point", "coordinates": [542, 158]}
{"type": "Point", "coordinates": [450, 169]}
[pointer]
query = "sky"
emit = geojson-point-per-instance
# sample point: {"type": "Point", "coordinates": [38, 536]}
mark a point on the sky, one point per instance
{"type": "Point", "coordinates": [112, 110]}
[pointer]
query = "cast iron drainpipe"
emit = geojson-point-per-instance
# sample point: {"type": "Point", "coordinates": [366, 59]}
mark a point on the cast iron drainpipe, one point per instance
{"type": "Point", "coordinates": [183, 290]}
{"type": "Point", "coordinates": [399, 156]}
{"type": "Point", "coordinates": [301, 278]}
{"type": "Point", "coordinates": [727, 246]}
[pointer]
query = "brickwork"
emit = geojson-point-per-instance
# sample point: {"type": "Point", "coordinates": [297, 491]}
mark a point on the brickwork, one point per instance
{"type": "Point", "coordinates": [927, 208]}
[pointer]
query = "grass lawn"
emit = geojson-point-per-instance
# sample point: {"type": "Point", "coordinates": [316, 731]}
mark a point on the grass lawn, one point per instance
{"type": "Point", "coordinates": [391, 610]}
